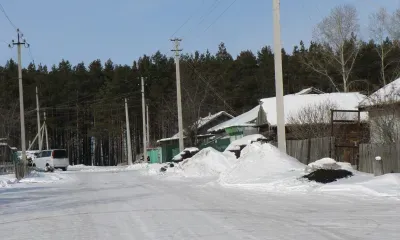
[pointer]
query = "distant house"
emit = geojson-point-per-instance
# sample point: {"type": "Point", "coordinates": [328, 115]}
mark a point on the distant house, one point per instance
{"type": "Point", "coordinates": [170, 146]}
{"type": "Point", "coordinates": [5, 155]}
{"type": "Point", "coordinates": [383, 107]}
{"type": "Point", "coordinates": [263, 117]}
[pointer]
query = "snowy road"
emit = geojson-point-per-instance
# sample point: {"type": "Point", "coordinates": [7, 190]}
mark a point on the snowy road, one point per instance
{"type": "Point", "coordinates": [126, 205]}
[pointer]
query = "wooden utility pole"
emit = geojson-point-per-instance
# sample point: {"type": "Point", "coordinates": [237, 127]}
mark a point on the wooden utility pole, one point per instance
{"type": "Point", "coordinates": [19, 43]}
{"type": "Point", "coordinates": [280, 113]}
{"type": "Point", "coordinates": [128, 134]}
{"type": "Point", "coordinates": [178, 92]}
{"type": "Point", "coordinates": [144, 122]}
{"type": "Point", "coordinates": [38, 120]}
{"type": "Point", "coordinates": [148, 125]}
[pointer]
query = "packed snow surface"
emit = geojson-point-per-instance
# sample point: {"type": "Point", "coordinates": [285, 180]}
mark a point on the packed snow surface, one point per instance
{"type": "Point", "coordinates": [126, 205]}
{"type": "Point", "coordinates": [34, 177]}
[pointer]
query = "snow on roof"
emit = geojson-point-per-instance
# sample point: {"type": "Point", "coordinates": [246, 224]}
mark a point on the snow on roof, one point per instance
{"type": "Point", "coordinates": [200, 123]}
{"type": "Point", "coordinates": [309, 90]}
{"type": "Point", "coordinates": [242, 120]}
{"type": "Point", "coordinates": [388, 94]}
{"type": "Point", "coordinates": [203, 121]}
{"type": "Point", "coordinates": [292, 104]}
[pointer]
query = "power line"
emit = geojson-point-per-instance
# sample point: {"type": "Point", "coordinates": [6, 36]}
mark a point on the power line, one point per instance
{"type": "Point", "coordinates": [30, 54]}
{"type": "Point", "coordinates": [211, 9]}
{"type": "Point", "coordinates": [16, 28]}
{"type": "Point", "coordinates": [8, 18]}
{"type": "Point", "coordinates": [184, 23]}
{"type": "Point", "coordinates": [226, 9]}
{"type": "Point", "coordinates": [211, 88]}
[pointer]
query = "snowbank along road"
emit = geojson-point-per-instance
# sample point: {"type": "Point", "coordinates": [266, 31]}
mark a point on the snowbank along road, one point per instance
{"type": "Point", "coordinates": [127, 205]}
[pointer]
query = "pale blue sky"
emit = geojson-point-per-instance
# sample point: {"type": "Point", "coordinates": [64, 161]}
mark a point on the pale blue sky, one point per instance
{"type": "Point", "coordinates": [123, 30]}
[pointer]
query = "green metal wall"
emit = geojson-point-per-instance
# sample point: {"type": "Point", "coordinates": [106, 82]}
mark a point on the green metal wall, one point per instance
{"type": "Point", "coordinates": [169, 150]}
{"type": "Point", "coordinates": [219, 144]}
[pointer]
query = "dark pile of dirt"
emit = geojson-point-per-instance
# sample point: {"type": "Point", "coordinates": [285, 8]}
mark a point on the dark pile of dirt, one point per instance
{"type": "Point", "coordinates": [328, 175]}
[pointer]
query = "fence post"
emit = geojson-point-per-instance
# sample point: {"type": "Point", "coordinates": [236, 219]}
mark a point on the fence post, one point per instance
{"type": "Point", "coordinates": [378, 166]}
{"type": "Point", "coordinates": [309, 151]}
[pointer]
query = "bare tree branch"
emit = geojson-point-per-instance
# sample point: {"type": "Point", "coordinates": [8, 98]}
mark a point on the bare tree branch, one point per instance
{"type": "Point", "coordinates": [336, 36]}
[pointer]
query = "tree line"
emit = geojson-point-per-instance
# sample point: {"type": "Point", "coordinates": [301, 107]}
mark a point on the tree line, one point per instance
{"type": "Point", "coordinates": [86, 102]}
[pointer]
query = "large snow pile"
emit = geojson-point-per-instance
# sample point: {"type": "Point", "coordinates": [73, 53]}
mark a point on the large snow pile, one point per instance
{"type": "Point", "coordinates": [7, 180]}
{"type": "Point", "coordinates": [207, 162]}
{"type": "Point", "coordinates": [260, 163]}
{"type": "Point", "coordinates": [236, 145]}
{"type": "Point", "coordinates": [263, 167]}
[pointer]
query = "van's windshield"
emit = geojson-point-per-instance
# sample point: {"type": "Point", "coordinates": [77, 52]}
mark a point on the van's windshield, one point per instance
{"type": "Point", "coordinates": [60, 154]}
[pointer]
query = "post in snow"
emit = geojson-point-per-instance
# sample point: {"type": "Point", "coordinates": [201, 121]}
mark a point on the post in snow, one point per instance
{"type": "Point", "coordinates": [280, 113]}
{"type": "Point", "coordinates": [378, 166]}
{"type": "Point", "coordinates": [128, 134]}
{"type": "Point", "coordinates": [144, 122]}
{"type": "Point", "coordinates": [19, 43]}
{"type": "Point", "coordinates": [178, 92]}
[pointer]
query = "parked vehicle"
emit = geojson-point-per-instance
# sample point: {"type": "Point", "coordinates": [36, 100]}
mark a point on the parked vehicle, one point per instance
{"type": "Point", "coordinates": [51, 159]}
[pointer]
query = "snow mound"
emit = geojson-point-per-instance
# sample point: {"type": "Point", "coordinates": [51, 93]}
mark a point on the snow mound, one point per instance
{"type": "Point", "coordinates": [7, 180]}
{"type": "Point", "coordinates": [43, 177]}
{"type": "Point", "coordinates": [235, 145]}
{"type": "Point", "coordinates": [260, 163]}
{"type": "Point", "coordinates": [262, 167]}
{"type": "Point", "coordinates": [324, 163]}
{"type": "Point", "coordinates": [387, 185]}
{"type": "Point", "coordinates": [328, 164]}
{"type": "Point", "coordinates": [208, 162]}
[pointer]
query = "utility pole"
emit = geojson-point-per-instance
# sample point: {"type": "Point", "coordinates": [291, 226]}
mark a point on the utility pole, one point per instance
{"type": "Point", "coordinates": [38, 120]}
{"type": "Point", "coordinates": [178, 92]}
{"type": "Point", "coordinates": [280, 113]}
{"type": "Point", "coordinates": [45, 129]}
{"type": "Point", "coordinates": [19, 43]}
{"type": "Point", "coordinates": [148, 125]}
{"type": "Point", "coordinates": [144, 122]}
{"type": "Point", "coordinates": [128, 134]}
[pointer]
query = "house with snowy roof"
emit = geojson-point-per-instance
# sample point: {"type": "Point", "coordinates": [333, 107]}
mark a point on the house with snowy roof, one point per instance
{"type": "Point", "coordinates": [5, 155]}
{"type": "Point", "coordinates": [170, 146]}
{"type": "Point", "coordinates": [263, 116]}
{"type": "Point", "coordinates": [383, 107]}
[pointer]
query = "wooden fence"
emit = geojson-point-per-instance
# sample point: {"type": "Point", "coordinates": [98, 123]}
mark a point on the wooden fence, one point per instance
{"type": "Point", "coordinates": [390, 154]}
{"type": "Point", "coordinates": [310, 150]}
